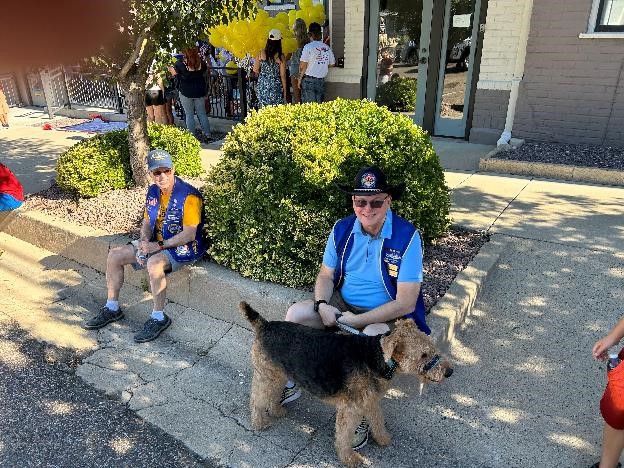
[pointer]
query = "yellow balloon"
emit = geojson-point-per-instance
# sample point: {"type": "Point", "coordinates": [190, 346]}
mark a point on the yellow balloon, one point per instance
{"type": "Point", "coordinates": [282, 17]}
{"type": "Point", "coordinates": [292, 16]}
{"type": "Point", "coordinates": [231, 67]}
{"type": "Point", "coordinates": [289, 45]}
{"type": "Point", "coordinates": [304, 4]}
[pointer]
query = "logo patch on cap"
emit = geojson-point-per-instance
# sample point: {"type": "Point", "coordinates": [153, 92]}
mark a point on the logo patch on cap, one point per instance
{"type": "Point", "coordinates": [368, 181]}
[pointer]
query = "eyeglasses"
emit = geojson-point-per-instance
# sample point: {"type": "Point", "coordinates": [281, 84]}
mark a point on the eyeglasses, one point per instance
{"type": "Point", "coordinates": [162, 171]}
{"type": "Point", "coordinates": [361, 202]}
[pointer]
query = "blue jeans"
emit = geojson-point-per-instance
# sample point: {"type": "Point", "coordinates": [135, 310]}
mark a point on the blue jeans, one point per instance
{"type": "Point", "coordinates": [9, 202]}
{"type": "Point", "coordinates": [194, 106]}
{"type": "Point", "coordinates": [312, 89]}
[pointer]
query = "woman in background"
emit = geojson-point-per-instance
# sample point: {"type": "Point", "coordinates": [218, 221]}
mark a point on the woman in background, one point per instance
{"type": "Point", "coordinates": [155, 99]}
{"type": "Point", "coordinates": [300, 30]}
{"type": "Point", "coordinates": [270, 66]}
{"type": "Point", "coordinates": [191, 73]}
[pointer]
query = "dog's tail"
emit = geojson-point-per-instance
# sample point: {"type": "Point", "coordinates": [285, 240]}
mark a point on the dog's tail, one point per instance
{"type": "Point", "coordinates": [252, 315]}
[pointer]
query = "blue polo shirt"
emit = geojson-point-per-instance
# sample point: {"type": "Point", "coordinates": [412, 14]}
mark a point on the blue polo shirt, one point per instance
{"type": "Point", "coordinates": [363, 284]}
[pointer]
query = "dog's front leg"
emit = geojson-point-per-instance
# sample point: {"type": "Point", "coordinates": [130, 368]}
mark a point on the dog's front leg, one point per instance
{"type": "Point", "coordinates": [377, 424]}
{"type": "Point", "coordinates": [347, 419]}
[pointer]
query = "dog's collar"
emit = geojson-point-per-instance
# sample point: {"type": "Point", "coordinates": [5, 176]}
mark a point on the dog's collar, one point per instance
{"type": "Point", "coordinates": [391, 366]}
{"type": "Point", "coordinates": [434, 361]}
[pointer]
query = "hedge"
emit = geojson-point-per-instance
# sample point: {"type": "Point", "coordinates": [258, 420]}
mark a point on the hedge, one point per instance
{"type": "Point", "coordinates": [398, 94]}
{"type": "Point", "coordinates": [271, 200]}
{"type": "Point", "coordinates": [102, 163]}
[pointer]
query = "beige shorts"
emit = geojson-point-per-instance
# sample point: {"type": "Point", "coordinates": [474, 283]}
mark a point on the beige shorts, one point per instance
{"type": "Point", "coordinates": [339, 303]}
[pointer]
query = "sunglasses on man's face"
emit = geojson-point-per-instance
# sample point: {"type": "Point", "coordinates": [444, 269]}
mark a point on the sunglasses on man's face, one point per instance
{"type": "Point", "coordinates": [362, 202]}
{"type": "Point", "coordinates": [157, 172]}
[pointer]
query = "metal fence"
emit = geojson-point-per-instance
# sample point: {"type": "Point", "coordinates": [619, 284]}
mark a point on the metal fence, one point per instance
{"type": "Point", "coordinates": [93, 89]}
{"type": "Point", "coordinates": [9, 87]}
{"type": "Point", "coordinates": [228, 96]}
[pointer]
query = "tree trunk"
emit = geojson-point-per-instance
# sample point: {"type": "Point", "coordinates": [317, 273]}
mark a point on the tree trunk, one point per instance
{"type": "Point", "coordinates": [138, 141]}
{"type": "Point", "coordinates": [133, 84]}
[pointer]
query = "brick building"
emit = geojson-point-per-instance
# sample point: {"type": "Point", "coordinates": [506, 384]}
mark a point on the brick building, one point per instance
{"type": "Point", "coordinates": [488, 70]}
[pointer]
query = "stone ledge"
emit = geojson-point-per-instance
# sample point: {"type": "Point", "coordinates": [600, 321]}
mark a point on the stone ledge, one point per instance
{"type": "Point", "coordinates": [453, 308]}
{"type": "Point", "coordinates": [553, 171]}
{"type": "Point", "coordinates": [219, 290]}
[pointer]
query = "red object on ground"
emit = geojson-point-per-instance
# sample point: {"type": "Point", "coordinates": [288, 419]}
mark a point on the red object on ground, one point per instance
{"type": "Point", "coordinates": [47, 126]}
{"type": "Point", "coordinates": [612, 402]}
{"type": "Point", "coordinates": [9, 184]}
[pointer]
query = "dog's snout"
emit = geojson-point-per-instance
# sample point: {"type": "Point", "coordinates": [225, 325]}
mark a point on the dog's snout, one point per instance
{"type": "Point", "coordinates": [448, 372]}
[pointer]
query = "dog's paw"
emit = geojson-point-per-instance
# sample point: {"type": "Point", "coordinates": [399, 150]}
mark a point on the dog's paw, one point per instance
{"type": "Point", "coordinates": [382, 439]}
{"type": "Point", "coordinates": [260, 422]}
{"type": "Point", "coordinates": [352, 459]}
{"type": "Point", "coordinates": [277, 412]}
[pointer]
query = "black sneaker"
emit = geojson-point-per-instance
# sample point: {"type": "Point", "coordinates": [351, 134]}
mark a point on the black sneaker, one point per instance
{"type": "Point", "coordinates": [152, 329]}
{"type": "Point", "coordinates": [360, 438]}
{"type": "Point", "coordinates": [102, 319]}
{"type": "Point", "coordinates": [290, 394]}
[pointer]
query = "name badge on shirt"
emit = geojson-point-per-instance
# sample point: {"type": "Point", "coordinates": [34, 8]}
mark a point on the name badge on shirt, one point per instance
{"type": "Point", "coordinates": [392, 259]}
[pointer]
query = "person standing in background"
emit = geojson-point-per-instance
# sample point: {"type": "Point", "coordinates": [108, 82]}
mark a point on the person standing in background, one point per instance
{"type": "Point", "coordinates": [316, 58]}
{"type": "Point", "coordinates": [270, 67]}
{"type": "Point", "coordinates": [191, 73]}
{"type": "Point", "coordinates": [301, 35]}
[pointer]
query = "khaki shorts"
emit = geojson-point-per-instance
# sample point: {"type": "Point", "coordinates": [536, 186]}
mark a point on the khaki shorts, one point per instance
{"type": "Point", "coordinates": [339, 303]}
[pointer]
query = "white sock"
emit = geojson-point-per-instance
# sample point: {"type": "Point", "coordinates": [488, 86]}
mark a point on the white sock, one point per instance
{"type": "Point", "coordinates": [290, 384]}
{"type": "Point", "coordinates": [158, 315]}
{"type": "Point", "coordinates": [112, 305]}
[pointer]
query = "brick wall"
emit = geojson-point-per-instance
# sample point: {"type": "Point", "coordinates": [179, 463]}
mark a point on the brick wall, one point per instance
{"type": "Point", "coordinates": [500, 43]}
{"type": "Point", "coordinates": [488, 118]}
{"type": "Point", "coordinates": [353, 33]}
{"type": "Point", "coordinates": [498, 67]}
{"type": "Point", "coordinates": [573, 89]}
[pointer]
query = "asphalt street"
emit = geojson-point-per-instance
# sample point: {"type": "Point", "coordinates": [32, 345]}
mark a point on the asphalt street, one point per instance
{"type": "Point", "coordinates": [52, 418]}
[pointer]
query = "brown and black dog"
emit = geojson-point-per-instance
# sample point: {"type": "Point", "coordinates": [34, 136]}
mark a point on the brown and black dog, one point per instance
{"type": "Point", "coordinates": [350, 372]}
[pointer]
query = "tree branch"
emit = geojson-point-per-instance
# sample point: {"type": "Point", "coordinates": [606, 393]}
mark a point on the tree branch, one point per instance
{"type": "Point", "coordinates": [137, 48]}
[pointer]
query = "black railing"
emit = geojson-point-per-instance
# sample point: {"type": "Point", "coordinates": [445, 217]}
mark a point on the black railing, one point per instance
{"type": "Point", "coordinates": [228, 95]}
{"type": "Point", "coordinates": [93, 89]}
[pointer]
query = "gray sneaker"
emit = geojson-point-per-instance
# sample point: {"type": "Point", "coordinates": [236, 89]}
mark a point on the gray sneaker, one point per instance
{"type": "Point", "coordinates": [290, 394]}
{"type": "Point", "coordinates": [102, 319]}
{"type": "Point", "coordinates": [360, 438]}
{"type": "Point", "coordinates": [152, 329]}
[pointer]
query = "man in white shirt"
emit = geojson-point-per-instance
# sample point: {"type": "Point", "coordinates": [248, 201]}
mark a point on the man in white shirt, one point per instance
{"type": "Point", "coordinates": [316, 58]}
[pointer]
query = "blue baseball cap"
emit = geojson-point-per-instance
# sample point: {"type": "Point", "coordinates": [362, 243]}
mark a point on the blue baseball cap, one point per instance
{"type": "Point", "coordinates": [158, 158]}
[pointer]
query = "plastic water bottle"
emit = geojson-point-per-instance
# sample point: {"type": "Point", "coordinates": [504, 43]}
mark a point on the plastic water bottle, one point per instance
{"type": "Point", "coordinates": [613, 361]}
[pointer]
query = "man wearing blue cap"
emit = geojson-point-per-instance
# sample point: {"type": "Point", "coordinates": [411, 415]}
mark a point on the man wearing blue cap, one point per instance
{"type": "Point", "coordinates": [371, 273]}
{"type": "Point", "coordinates": [171, 237]}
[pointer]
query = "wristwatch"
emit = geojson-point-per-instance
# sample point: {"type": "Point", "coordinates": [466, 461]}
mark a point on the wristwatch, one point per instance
{"type": "Point", "coordinates": [318, 303]}
{"type": "Point", "coordinates": [161, 244]}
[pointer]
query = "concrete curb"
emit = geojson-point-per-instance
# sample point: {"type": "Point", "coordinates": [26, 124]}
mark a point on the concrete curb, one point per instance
{"type": "Point", "coordinates": [220, 289]}
{"type": "Point", "coordinates": [452, 309]}
{"type": "Point", "coordinates": [553, 171]}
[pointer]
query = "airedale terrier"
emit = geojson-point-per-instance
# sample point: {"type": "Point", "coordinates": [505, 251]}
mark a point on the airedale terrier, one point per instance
{"type": "Point", "coordinates": [348, 371]}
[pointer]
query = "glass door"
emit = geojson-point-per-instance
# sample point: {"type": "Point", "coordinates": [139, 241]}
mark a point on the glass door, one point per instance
{"type": "Point", "coordinates": [456, 63]}
{"type": "Point", "coordinates": [397, 64]}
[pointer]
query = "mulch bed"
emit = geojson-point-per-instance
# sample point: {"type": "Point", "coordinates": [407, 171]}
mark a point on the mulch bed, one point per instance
{"type": "Point", "coordinates": [120, 211]}
{"type": "Point", "coordinates": [603, 157]}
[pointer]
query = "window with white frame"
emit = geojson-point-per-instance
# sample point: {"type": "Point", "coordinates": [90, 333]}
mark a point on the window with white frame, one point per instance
{"type": "Point", "coordinates": [610, 16]}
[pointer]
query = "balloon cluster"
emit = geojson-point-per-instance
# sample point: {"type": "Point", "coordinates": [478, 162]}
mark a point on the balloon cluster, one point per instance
{"type": "Point", "coordinates": [248, 36]}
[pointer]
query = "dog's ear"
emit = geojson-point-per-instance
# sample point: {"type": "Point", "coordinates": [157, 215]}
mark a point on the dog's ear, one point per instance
{"type": "Point", "coordinates": [390, 345]}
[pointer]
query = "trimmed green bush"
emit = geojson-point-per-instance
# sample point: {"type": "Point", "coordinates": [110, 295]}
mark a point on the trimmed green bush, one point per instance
{"type": "Point", "coordinates": [271, 200]}
{"type": "Point", "coordinates": [398, 94]}
{"type": "Point", "coordinates": [102, 163]}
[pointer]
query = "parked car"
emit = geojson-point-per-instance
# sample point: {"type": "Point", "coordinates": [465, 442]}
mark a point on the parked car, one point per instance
{"type": "Point", "coordinates": [460, 55]}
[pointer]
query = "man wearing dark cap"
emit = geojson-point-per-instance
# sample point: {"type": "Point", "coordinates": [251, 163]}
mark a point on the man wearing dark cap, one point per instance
{"type": "Point", "coordinates": [171, 237]}
{"type": "Point", "coordinates": [371, 272]}
{"type": "Point", "coordinates": [315, 59]}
